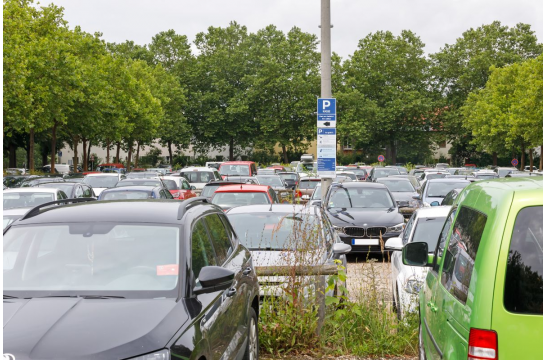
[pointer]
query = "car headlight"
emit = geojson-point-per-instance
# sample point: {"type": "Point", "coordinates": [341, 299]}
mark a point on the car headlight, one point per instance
{"type": "Point", "coordinates": [396, 228]}
{"type": "Point", "coordinates": [157, 355]}
{"type": "Point", "coordinates": [413, 286]}
{"type": "Point", "coordinates": [338, 229]}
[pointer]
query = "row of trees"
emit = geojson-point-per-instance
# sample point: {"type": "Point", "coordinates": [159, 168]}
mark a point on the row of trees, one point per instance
{"type": "Point", "coordinates": [255, 90]}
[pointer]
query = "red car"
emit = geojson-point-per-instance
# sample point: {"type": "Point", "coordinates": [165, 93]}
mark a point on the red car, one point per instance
{"type": "Point", "coordinates": [179, 187]}
{"type": "Point", "coordinates": [230, 196]}
{"type": "Point", "coordinates": [237, 168]}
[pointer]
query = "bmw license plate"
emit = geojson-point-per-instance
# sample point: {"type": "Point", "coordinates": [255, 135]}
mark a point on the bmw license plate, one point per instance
{"type": "Point", "coordinates": [365, 242]}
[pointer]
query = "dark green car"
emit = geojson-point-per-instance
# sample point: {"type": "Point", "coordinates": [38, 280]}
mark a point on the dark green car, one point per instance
{"type": "Point", "coordinates": [483, 295]}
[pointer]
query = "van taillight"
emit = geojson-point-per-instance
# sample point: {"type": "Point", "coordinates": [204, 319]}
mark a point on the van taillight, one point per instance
{"type": "Point", "coordinates": [483, 344]}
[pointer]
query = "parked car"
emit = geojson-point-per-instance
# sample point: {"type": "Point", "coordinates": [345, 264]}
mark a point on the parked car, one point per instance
{"type": "Point", "coordinates": [379, 172]}
{"type": "Point", "coordinates": [290, 178]}
{"type": "Point", "coordinates": [71, 189]}
{"type": "Point", "coordinates": [33, 181]}
{"type": "Point", "coordinates": [159, 170]}
{"type": "Point", "coordinates": [15, 181]}
{"type": "Point", "coordinates": [242, 168]}
{"type": "Point", "coordinates": [485, 175]}
{"type": "Point", "coordinates": [209, 189]}
{"type": "Point", "coordinates": [434, 191]}
{"type": "Point", "coordinates": [138, 280]}
{"type": "Point", "coordinates": [528, 167]}
{"type": "Point", "coordinates": [199, 176]}
{"type": "Point", "coordinates": [102, 181]}
{"type": "Point", "coordinates": [241, 179]}
{"type": "Point", "coordinates": [15, 171]}
{"type": "Point", "coordinates": [523, 174]}
{"type": "Point", "coordinates": [433, 174]}
{"type": "Point", "coordinates": [307, 185]}
{"type": "Point", "coordinates": [272, 232]}
{"type": "Point", "coordinates": [237, 195]}
{"type": "Point", "coordinates": [403, 192]}
{"type": "Point", "coordinates": [464, 172]}
{"type": "Point", "coordinates": [502, 171]}
{"type": "Point", "coordinates": [30, 197]}
{"type": "Point", "coordinates": [274, 181]}
{"type": "Point", "coordinates": [213, 164]}
{"type": "Point", "coordinates": [348, 174]}
{"type": "Point", "coordinates": [316, 197]}
{"type": "Point", "coordinates": [10, 215]}
{"type": "Point", "coordinates": [179, 187]}
{"type": "Point", "coordinates": [143, 174]}
{"type": "Point", "coordinates": [424, 225]}
{"type": "Point", "coordinates": [59, 168]}
{"type": "Point", "coordinates": [141, 182]}
{"type": "Point", "coordinates": [451, 196]}
{"type": "Point", "coordinates": [452, 170]}
{"type": "Point", "coordinates": [135, 193]}
{"type": "Point", "coordinates": [483, 294]}
{"type": "Point", "coordinates": [307, 168]}
{"type": "Point", "coordinates": [414, 181]}
{"type": "Point", "coordinates": [361, 174]}
{"type": "Point", "coordinates": [402, 170]}
{"type": "Point", "coordinates": [363, 213]}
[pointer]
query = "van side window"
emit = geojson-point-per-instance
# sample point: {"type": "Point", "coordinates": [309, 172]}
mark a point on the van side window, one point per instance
{"type": "Point", "coordinates": [202, 253]}
{"type": "Point", "coordinates": [523, 291]}
{"type": "Point", "coordinates": [443, 239]}
{"type": "Point", "coordinates": [462, 251]}
{"type": "Point", "coordinates": [220, 238]}
{"type": "Point", "coordinates": [408, 228]}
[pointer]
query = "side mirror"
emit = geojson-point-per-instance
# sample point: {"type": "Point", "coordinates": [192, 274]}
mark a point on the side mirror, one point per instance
{"type": "Point", "coordinates": [435, 203]}
{"type": "Point", "coordinates": [316, 202]}
{"type": "Point", "coordinates": [416, 254]}
{"type": "Point", "coordinates": [417, 197]}
{"type": "Point", "coordinates": [394, 244]}
{"type": "Point", "coordinates": [305, 197]}
{"type": "Point", "coordinates": [193, 187]}
{"type": "Point", "coordinates": [214, 278]}
{"type": "Point", "coordinates": [341, 249]}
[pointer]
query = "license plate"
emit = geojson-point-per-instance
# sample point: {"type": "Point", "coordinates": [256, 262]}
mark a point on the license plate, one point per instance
{"type": "Point", "coordinates": [364, 242]}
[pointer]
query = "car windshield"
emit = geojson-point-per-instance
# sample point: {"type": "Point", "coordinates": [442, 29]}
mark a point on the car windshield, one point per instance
{"type": "Point", "coordinates": [435, 176]}
{"type": "Point", "coordinates": [141, 175]}
{"type": "Point", "coordinates": [101, 181]}
{"type": "Point", "coordinates": [428, 230]}
{"type": "Point", "coordinates": [379, 173]}
{"type": "Point", "coordinates": [359, 172]}
{"type": "Point", "coordinates": [317, 194]}
{"type": "Point", "coordinates": [81, 258]}
{"type": "Point", "coordinates": [302, 167]}
{"type": "Point", "coordinates": [310, 184]}
{"type": "Point", "coordinates": [65, 187]}
{"type": "Point", "coordinates": [441, 189]}
{"type": "Point", "coordinates": [8, 219]}
{"type": "Point", "coordinates": [198, 176]}
{"type": "Point", "coordinates": [360, 197]}
{"type": "Point", "coordinates": [485, 176]}
{"type": "Point", "coordinates": [503, 172]}
{"type": "Point", "coordinates": [171, 184]}
{"type": "Point", "coordinates": [75, 180]}
{"type": "Point", "coordinates": [348, 175]}
{"type": "Point", "coordinates": [126, 195]}
{"type": "Point", "coordinates": [241, 198]}
{"type": "Point", "coordinates": [270, 180]}
{"type": "Point", "coordinates": [26, 199]}
{"type": "Point", "coordinates": [209, 190]}
{"type": "Point", "coordinates": [288, 176]}
{"type": "Point", "coordinates": [142, 182]}
{"type": "Point", "coordinates": [398, 185]}
{"type": "Point", "coordinates": [272, 231]}
{"type": "Point", "coordinates": [243, 170]}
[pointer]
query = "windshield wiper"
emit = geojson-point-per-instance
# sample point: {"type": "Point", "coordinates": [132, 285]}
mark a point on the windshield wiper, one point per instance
{"type": "Point", "coordinates": [10, 297]}
{"type": "Point", "coordinates": [391, 209]}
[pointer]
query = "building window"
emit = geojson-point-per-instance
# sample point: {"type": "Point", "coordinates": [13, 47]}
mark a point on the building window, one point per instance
{"type": "Point", "coordinates": [443, 144]}
{"type": "Point", "coordinates": [347, 144]}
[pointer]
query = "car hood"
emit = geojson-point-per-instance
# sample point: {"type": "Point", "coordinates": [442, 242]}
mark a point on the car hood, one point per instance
{"type": "Point", "coordinates": [404, 196]}
{"type": "Point", "coordinates": [358, 217]}
{"type": "Point", "coordinates": [77, 328]}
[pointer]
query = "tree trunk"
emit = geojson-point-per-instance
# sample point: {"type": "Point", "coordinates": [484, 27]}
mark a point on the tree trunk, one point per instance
{"type": "Point", "coordinates": [44, 158]}
{"type": "Point", "coordinates": [495, 158]}
{"type": "Point", "coordinates": [137, 157]}
{"type": "Point", "coordinates": [75, 140]}
{"type": "Point", "coordinates": [12, 155]}
{"type": "Point", "coordinates": [84, 160]}
{"type": "Point", "coordinates": [231, 146]}
{"type": "Point", "coordinates": [522, 156]}
{"type": "Point", "coordinates": [169, 143]}
{"type": "Point", "coordinates": [541, 159]}
{"type": "Point", "coordinates": [118, 144]}
{"type": "Point", "coordinates": [129, 157]}
{"type": "Point", "coordinates": [393, 152]}
{"type": "Point", "coordinates": [30, 152]}
{"type": "Point", "coordinates": [285, 154]}
{"type": "Point", "coordinates": [531, 154]}
{"type": "Point", "coordinates": [107, 151]}
{"type": "Point", "coordinates": [53, 146]}
{"type": "Point", "coordinates": [88, 151]}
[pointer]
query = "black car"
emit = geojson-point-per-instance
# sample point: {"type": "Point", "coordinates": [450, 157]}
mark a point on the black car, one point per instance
{"type": "Point", "coordinates": [403, 192]}
{"type": "Point", "coordinates": [138, 280]}
{"type": "Point", "coordinates": [290, 178]}
{"type": "Point", "coordinates": [379, 172]}
{"type": "Point", "coordinates": [362, 213]}
{"type": "Point", "coordinates": [71, 189]}
{"type": "Point", "coordinates": [135, 193]}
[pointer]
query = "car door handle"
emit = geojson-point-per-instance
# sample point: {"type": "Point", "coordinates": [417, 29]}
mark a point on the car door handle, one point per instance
{"type": "Point", "coordinates": [231, 292]}
{"type": "Point", "coordinates": [432, 306]}
{"type": "Point", "coordinates": [247, 271]}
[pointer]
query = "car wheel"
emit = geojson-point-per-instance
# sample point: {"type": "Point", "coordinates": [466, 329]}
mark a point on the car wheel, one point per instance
{"type": "Point", "coordinates": [421, 352]}
{"type": "Point", "coordinates": [252, 346]}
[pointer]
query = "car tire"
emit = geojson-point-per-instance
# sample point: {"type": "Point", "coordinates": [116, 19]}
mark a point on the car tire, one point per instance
{"type": "Point", "coordinates": [252, 345]}
{"type": "Point", "coordinates": [421, 351]}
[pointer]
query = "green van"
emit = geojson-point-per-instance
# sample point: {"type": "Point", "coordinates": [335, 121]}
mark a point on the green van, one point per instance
{"type": "Point", "coordinates": [483, 295]}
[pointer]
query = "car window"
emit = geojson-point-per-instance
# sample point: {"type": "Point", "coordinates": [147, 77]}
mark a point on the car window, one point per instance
{"type": "Point", "coordinates": [87, 192]}
{"type": "Point", "coordinates": [220, 238]}
{"type": "Point", "coordinates": [272, 193]}
{"type": "Point", "coordinates": [202, 253]}
{"type": "Point", "coordinates": [79, 192]}
{"type": "Point", "coordinates": [408, 229]}
{"type": "Point", "coordinates": [460, 255]}
{"type": "Point", "coordinates": [443, 239]}
{"type": "Point", "coordinates": [523, 291]}
{"type": "Point", "coordinates": [162, 194]}
{"type": "Point", "coordinates": [185, 185]}
{"type": "Point", "coordinates": [427, 230]}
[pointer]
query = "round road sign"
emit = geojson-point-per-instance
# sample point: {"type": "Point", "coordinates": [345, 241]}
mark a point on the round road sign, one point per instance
{"type": "Point", "coordinates": [381, 158]}
{"type": "Point", "coordinates": [514, 162]}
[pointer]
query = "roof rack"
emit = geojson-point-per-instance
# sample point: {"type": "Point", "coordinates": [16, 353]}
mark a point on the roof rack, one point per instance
{"type": "Point", "coordinates": [36, 210]}
{"type": "Point", "coordinates": [183, 206]}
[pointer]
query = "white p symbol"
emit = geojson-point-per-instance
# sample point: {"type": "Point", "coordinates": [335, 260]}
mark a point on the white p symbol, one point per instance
{"type": "Point", "coordinates": [326, 104]}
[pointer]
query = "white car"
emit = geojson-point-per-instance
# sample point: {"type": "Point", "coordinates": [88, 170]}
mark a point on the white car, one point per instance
{"type": "Point", "coordinates": [102, 181]}
{"type": "Point", "coordinates": [200, 176]}
{"type": "Point", "coordinates": [425, 225]}
{"type": "Point", "coordinates": [30, 197]}
{"type": "Point", "coordinates": [10, 215]}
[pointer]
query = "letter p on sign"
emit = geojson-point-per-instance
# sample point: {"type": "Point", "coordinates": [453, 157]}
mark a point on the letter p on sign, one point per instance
{"type": "Point", "coordinates": [326, 104]}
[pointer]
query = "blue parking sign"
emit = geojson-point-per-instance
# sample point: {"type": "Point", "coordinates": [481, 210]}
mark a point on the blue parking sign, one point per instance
{"type": "Point", "coordinates": [327, 107]}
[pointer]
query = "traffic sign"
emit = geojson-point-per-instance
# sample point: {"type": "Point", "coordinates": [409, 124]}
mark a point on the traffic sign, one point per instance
{"type": "Point", "coordinates": [381, 158]}
{"type": "Point", "coordinates": [92, 158]}
{"type": "Point", "coordinates": [327, 138]}
{"type": "Point", "coordinates": [327, 151]}
{"type": "Point", "coordinates": [514, 162]}
{"type": "Point", "coordinates": [327, 113]}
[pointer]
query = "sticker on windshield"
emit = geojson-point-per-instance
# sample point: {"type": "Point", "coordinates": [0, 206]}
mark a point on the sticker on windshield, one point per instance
{"type": "Point", "coordinates": [164, 270]}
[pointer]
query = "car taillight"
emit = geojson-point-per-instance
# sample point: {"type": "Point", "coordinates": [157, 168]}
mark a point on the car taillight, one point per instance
{"type": "Point", "coordinates": [176, 194]}
{"type": "Point", "coordinates": [483, 344]}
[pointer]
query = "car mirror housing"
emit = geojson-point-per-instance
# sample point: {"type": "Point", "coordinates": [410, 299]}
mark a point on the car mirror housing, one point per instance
{"type": "Point", "coordinates": [341, 249]}
{"type": "Point", "coordinates": [416, 254]}
{"type": "Point", "coordinates": [435, 203]}
{"type": "Point", "coordinates": [394, 244]}
{"type": "Point", "coordinates": [417, 197]}
{"type": "Point", "coordinates": [214, 278]}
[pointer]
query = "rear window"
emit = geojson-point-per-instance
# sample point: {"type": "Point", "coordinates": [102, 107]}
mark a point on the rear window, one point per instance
{"type": "Point", "coordinates": [242, 170]}
{"type": "Point", "coordinates": [524, 275]}
{"type": "Point", "coordinates": [126, 195]}
{"type": "Point", "coordinates": [198, 176]}
{"type": "Point", "coordinates": [150, 182]}
{"type": "Point", "coordinates": [308, 184]}
{"type": "Point", "coordinates": [462, 251]}
{"type": "Point", "coordinates": [26, 199]}
{"type": "Point", "coordinates": [209, 190]}
{"type": "Point", "coordinates": [170, 184]}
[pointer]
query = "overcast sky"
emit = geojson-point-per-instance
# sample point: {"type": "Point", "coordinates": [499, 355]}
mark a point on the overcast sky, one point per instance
{"type": "Point", "coordinates": [437, 22]}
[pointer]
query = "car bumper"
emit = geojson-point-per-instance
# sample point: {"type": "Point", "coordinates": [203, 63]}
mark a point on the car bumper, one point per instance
{"type": "Point", "coordinates": [373, 246]}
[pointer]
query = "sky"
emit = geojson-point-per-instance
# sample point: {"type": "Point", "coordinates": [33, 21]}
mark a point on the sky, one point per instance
{"type": "Point", "coordinates": [437, 22]}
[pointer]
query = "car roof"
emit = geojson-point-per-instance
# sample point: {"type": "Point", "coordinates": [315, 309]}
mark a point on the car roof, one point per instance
{"type": "Point", "coordinates": [104, 174]}
{"type": "Point", "coordinates": [133, 188]}
{"type": "Point", "coordinates": [16, 211]}
{"type": "Point", "coordinates": [61, 183]}
{"type": "Point", "coordinates": [237, 163]}
{"type": "Point", "coordinates": [355, 184]}
{"type": "Point", "coordinates": [275, 208]}
{"type": "Point", "coordinates": [448, 180]}
{"type": "Point", "coordinates": [31, 190]}
{"type": "Point", "coordinates": [198, 168]}
{"type": "Point", "coordinates": [391, 178]}
{"type": "Point", "coordinates": [139, 179]}
{"type": "Point", "coordinates": [243, 188]}
{"type": "Point", "coordinates": [433, 211]}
